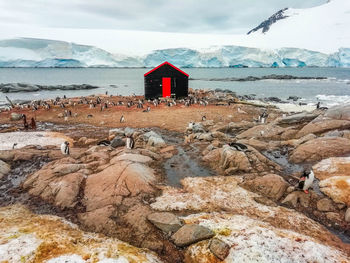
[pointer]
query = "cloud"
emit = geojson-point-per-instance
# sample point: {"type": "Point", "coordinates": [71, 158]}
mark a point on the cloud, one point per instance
{"type": "Point", "coordinates": [189, 16]}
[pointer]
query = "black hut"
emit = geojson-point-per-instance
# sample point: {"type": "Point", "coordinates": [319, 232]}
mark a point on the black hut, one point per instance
{"type": "Point", "coordinates": [166, 80]}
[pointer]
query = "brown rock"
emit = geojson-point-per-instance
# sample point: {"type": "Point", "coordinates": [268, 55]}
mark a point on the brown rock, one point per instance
{"type": "Point", "coordinates": [271, 185]}
{"type": "Point", "coordinates": [347, 215]}
{"type": "Point", "coordinates": [325, 205]}
{"type": "Point", "coordinates": [269, 131]}
{"type": "Point", "coordinates": [323, 125]}
{"type": "Point", "coordinates": [67, 169]}
{"type": "Point", "coordinates": [265, 201]}
{"type": "Point", "coordinates": [189, 234]}
{"type": "Point", "coordinates": [294, 198]}
{"type": "Point", "coordinates": [167, 222]}
{"type": "Point", "coordinates": [132, 158]}
{"type": "Point", "coordinates": [341, 112]}
{"type": "Point", "coordinates": [99, 219]}
{"type": "Point", "coordinates": [168, 149]}
{"type": "Point", "coordinates": [335, 166]}
{"type": "Point", "coordinates": [213, 156]}
{"type": "Point", "coordinates": [337, 188]}
{"type": "Point", "coordinates": [334, 217]}
{"type": "Point", "coordinates": [234, 159]}
{"type": "Point", "coordinates": [219, 248]}
{"type": "Point", "coordinates": [4, 168]}
{"type": "Point", "coordinates": [319, 149]}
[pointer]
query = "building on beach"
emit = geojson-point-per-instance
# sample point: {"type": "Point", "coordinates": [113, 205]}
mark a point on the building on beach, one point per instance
{"type": "Point", "coordinates": [165, 81]}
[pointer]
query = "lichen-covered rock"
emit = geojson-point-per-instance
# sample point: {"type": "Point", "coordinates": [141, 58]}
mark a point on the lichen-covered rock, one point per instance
{"type": "Point", "coordinates": [337, 188]}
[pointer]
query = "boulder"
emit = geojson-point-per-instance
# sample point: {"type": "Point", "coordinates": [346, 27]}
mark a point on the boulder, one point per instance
{"type": "Point", "coordinates": [320, 148]}
{"type": "Point", "coordinates": [167, 222]}
{"type": "Point", "coordinates": [325, 205]}
{"type": "Point", "coordinates": [272, 186]}
{"type": "Point", "coordinates": [4, 169]}
{"type": "Point", "coordinates": [337, 188]}
{"type": "Point", "coordinates": [64, 169]}
{"type": "Point", "coordinates": [191, 233]}
{"type": "Point", "coordinates": [15, 116]}
{"type": "Point", "coordinates": [347, 215]}
{"type": "Point", "coordinates": [117, 142]}
{"type": "Point", "coordinates": [341, 112]}
{"type": "Point", "coordinates": [116, 132]}
{"type": "Point", "coordinates": [296, 142]}
{"type": "Point", "coordinates": [129, 131]}
{"type": "Point", "coordinates": [219, 248]}
{"type": "Point", "coordinates": [131, 157]}
{"type": "Point", "coordinates": [297, 197]}
{"type": "Point", "coordinates": [269, 131]}
{"type": "Point", "coordinates": [334, 166]}
{"type": "Point", "coordinates": [334, 217]}
{"type": "Point", "coordinates": [213, 157]}
{"type": "Point", "coordinates": [109, 186]}
{"type": "Point", "coordinates": [297, 118]}
{"type": "Point", "coordinates": [195, 127]}
{"type": "Point", "coordinates": [206, 137]}
{"type": "Point", "coordinates": [155, 141]}
{"type": "Point", "coordinates": [321, 125]}
{"type": "Point", "coordinates": [265, 201]}
{"type": "Point", "coordinates": [231, 158]}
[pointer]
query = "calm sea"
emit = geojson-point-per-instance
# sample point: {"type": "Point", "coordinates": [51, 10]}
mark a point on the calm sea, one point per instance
{"type": "Point", "coordinates": [121, 81]}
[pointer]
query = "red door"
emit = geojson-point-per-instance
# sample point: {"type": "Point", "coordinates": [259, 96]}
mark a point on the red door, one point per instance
{"type": "Point", "coordinates": [166, 87]}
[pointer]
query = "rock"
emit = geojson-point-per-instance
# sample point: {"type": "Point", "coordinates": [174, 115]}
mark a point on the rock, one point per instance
{"type": "Point", "coordinates": [321, 125]}
{"type": "Point", "coordinates": [269, 131]}
{"type": "Point", "coordinates": [167, 222]}
{"type": "Point", "coordinates": [119, 180]}
{"type": "Point", "coordinates": [90, 141]}
{"type": "Point", "coordinates": [213, 156]}
{"type": "Point", "coordinates": [234, 159]}
{"type": "Point", "coordinates": [116, 132]}
{"type": "Point", "coordinates": [298, 118]}
{"type": "Point", "coordinates": [334, 217]}
{"type": "Point", "coordinates": [117, 142]}
{"type": "Point", "coordinates": [320, 148]}
{"type": "Point", "coordinates": [341, 112]}
{"type": "Point", "coordinates": [131, 157]}
{"type": "Point", "coordinates": [4, 169]}
{"type": "Point", "coordinates": [271, 185]}
{"type": "Point", "coordinates": [296, 142]}
{"type": "Point", "coordinates": [60, 115]}
{"type": "Point", "coordinates": [15, 116]}
{"type": "Point", "coordinates": [294, 198]}
{"type": "Point", "coordinates": [335, 166]}
{"type": "Point", "coordinates": [64, 169]}
{"type": "Point", "coordinates": [168, 149]}
{"type": "Point", "coordinates": [156, 142]}
{"type": "Point", "coordinates": [347, 215]}
{"type": "Point", "coordinates": [337, 188]}
{"type": "Point", "coordinates": [206, 137]}
{"type": "Point", "coordinates": [82, 140]}
{"type": "Point", "coordinates": [265, 201]}
{"type": "Point", "coordinates": [196, 127]}
{"type": "Point", "coordinates": [129, 131]}
{"type": "Point", "coordinates": [149, 134]}
{"type": "Point", "coordinates": [191, 233]}
{"type": "Point", "coordinates": [325, 205]}
{"type": "Point", "coordinates": [219, 248]}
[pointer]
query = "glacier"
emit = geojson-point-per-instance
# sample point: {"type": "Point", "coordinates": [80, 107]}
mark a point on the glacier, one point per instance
{"type": "Point", "coordinates": [29, 52]}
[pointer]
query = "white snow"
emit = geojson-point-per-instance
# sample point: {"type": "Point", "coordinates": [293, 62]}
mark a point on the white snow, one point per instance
{"type": "Point", "coordinates": [17, 247]}
{"type": "Point", "coordinates": [27, 138]}
{"type": "Point", "coordinates": [255, 241]}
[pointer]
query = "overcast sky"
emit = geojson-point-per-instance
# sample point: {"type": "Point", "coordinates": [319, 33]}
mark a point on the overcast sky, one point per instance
{"type": "Point", "coordinates": [182, 16]}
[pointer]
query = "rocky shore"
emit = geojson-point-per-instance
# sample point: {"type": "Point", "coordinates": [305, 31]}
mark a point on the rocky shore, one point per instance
{"type": "Point", "coordinates": [205, 182]}
{"type": "Point", "coordinates": [26, 87]}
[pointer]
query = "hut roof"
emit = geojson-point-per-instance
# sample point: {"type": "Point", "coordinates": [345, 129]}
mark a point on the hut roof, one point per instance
{"type": "Point", "coordinates": [166, 63]}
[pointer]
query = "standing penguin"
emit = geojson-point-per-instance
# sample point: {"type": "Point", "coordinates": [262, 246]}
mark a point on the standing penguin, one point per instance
{"type": "Point", "coordinates": [65, 148]}
{"type": "Point", "coordinates": [122, 119]}
{"type": "Point", "coordinates": [306, 180]}
{"type": "Point", "coordinates": [129, 142]}
{"type": "Point", "coordinates": [204, 118]}
{"type": "Point", "coordinates": [33, 124]}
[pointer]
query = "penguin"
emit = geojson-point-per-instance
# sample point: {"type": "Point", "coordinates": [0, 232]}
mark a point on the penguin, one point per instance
{"type": "Point", "coordinates": [65, 148]}
{"type": "Point", "coordinates": [129, 142]}
{"type": "Point", "coordinates": [318, 105]}
{"type": "Point", "coordinates": [263, 117]}
{"type": "Point", "coordinates": [122, 119]}
{"type": "Point", "coordinates": [306, 180]}
{"type": "Point", "coordinates": [104, 143]}
{"type": "Point", "coordinates": [239, 146]}
{"type": "Point", "coordinates": [33, 123]}
{"type": "Point", "coordinates": [25, 124]}
{"type": "Point", "coordinates": [204, 118]}
{"type": "Point", "coordinates": [14, 145]}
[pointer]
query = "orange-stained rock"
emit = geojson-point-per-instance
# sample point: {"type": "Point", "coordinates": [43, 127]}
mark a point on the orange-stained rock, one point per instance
{"type": "Point", "coordinates": [337, 188]}
{"type": "Point", "coordinates": [335, 166]}
{"type": "Point", "coordinates": [323, 125]}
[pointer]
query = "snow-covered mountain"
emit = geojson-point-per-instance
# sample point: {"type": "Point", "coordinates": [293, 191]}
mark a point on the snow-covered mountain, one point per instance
{"type": "Point", "coordinates": [322, 27]}
{"type": "Point", "coordinates": [49, 53]}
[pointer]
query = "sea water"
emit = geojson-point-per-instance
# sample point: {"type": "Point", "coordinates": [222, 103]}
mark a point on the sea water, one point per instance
{"type": "Point", "coordinates": [333, 90]}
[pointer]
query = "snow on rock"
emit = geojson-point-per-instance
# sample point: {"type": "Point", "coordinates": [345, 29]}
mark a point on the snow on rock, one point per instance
{"type": "Point", "coordinates": [15, 247]}
{"type": "Point", "coordinates": [25, 236]}
{"type": "Point", "coordinates": [252, 240]}
{"type": "Point", "coordinates": [30, 138]}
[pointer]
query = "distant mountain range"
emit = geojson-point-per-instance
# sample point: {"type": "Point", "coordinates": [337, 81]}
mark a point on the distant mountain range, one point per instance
{"type": "Point", "coordinates": [326, 25]}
